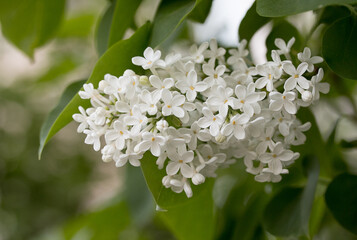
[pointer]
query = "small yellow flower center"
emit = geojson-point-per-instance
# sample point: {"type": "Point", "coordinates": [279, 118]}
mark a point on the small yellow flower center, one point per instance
{"type": "Point", "coordinates": [140, 121]}
{"type": "Point", "coordinates": [192, 88]}
{"type": "Point", "coordinates": [241, 101]}
{"type": "Point", "coordinates": [225, 101]}
{"type": "Point", "coordinates": [234, 122]}
{"type": "Point", "coordinates": [269, 76]}
{"type": "Point", "coordinates": [168, 106]}
{"type": "Point", "coordinates": [152, 139]}
{"type": "Point", "coordinates": [180, 161]}
{"type": "Point", "coordinates": [284, 97]}
{"type": "Point", "coordinates": [194, 132]}
{"type": "Point", "coordinates": [121, 132]}
{"type": "Point", "coordinates": [267, 138]}
{"type": "Point", "coordinates": [209, 156]}
{"type": "Point", "coordinates": [134, 83]}
{"type": "Point", "coordinates": [150, 62]}
{"type": "Point", "coordinates": [274, 155]}
{"type": "Point", "coordinates": [296, 76]}
{"type": "Point", "coordinates": [215, 75]}
{"type": "Point", "coordinates": [280, 119]}
{"type": "Point", "coordinates": [214, 119]}
{"type": "Point", "coordinates": [152, 105]}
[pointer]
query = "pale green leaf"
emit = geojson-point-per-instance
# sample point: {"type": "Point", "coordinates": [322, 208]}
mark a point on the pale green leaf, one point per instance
{"type": "Point", "coordinates": [29, 24]}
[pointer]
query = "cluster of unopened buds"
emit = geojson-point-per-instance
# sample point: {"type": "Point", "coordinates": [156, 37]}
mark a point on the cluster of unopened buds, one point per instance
{"type": "Point", "coordinates": [198, 111]}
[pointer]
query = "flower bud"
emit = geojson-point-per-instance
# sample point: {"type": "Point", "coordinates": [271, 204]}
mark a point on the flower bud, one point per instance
{"type": "Point", "coordinates": [198, 178]}
{"type": "Point", "coordinates": [306, 96]}
{"type": "Point", "coordinates": [144, 80]}
{"type": "Point", "coordinates": [220, 138]}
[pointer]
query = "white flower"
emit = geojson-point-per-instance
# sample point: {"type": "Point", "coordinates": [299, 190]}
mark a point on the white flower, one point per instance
{"type": "Point", "coordinates": [236, 126]}
{"type": "Point", "coordinates": [268, 176]}
{"type": "Point", "coordinates": [196, 133]}
{"type": "Point", "coordinates": [296, 76]}
{"type": "Point", "coordinates": [247, 98]}
{"type": "Point", "coordinates": [305, 56]}
{"type": "Point", "coordinates": [209, 120]}
{"type": "Point", "coordinates": [190, 86]}
{"type": "Point", "coordinates": [162, 125]}
{"type": "Point", "coordinates": [214, 51]}
{"type": "Point", "coordinates": [221, 99]}
{"type": "Point", "coordinates": [197, 53]}
{"type": "Point", "coordinates": [180, 163]}
{"type": "Point", "coordinates": [278, 101]}
{"type": "Point", "coordinates": [172, 104]}
{"type": "Point", "coordinates": [266, 141]}
{"type": "Point", "coordinates": [318, 86]}
{"type": "Point", "coordinates": [238, 54]}
{"type": "Point", "coordinates": [152, 142]}
{"type": "Point", "coordinates": [82, 118]}
{"type": "Point", "coordinates": [296, 136]}
{"type": "Point", "coordinates": [159, 84]}
{"type": "Point", "coordinates": [214, 75]}
{"type": "Point", "coordinates": [269, 75]}
{"type": "Point", "coordinates": [92, 94]}
{"type": "Point", "coordinates": [151, 59]}
{"type": "Point", "coordinates": [119, 134]}
{"type": "Point", "coordinates": [150, 101]}
{"type": "Point", "coordinates": [93, 137]}
{"type": "Point", "coordinates": [283, 47]}
{"type": "Point", "coordinates": [275, 158]}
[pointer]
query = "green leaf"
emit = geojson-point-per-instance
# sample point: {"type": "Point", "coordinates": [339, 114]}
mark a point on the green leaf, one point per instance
{"type": "Point", "coordinates": [104, 224]}
{"type": "Point", "coordinates": [194, 218]}
{"type": "Point", "coordinates": [251, 23]}
{"type": "Point", "coordinates": [284, 30]}
{"type": "Point", "coordinates": [341, 199]}
{"type": "Point", "coordinates": [79, 26]}
{"type": "Point", "coordinates": [348, 144]}
{"type": "Point", "coordinates": [188, 218]}
{"type": "Point", "coordinates": [103, 29]}
{"type": "Point", "coordinates": [288, 212]}
{"type": "Point", "coordinates": [123, 18]}
{"type": "Point", "coordinates": [168, 17]}
{"type": "Point", "coordinates": [60, 68]}
{"type": "Point", "coordinates": [339, 47]}
{"type": "Point", "coordinates": [201, 11]}
{"type": "Point", "coordinates": [115, 61]}
{"type": "Point", "coordinates": [332, 13]}
{"type": "Point", "coordinates": [280, 8]}
{"type": "Point", "coordinates": [29, 24]}
{"type": "Point", "coordinates": [61, 115]}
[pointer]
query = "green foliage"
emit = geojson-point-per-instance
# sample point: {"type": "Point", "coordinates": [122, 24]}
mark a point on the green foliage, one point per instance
{"type": "Point", "coordinates": [288, 212]}
{"type": "Point", "coordinates": [123, 18]}
{"type": "Point", "coordinates": [175, 206]}
{"type": "Point", "coordinates": [342, 58]}
{"type": "Point", "coordinates": [79, 26]}
{"type": "Point", "coordinates": [201, 11]}
{"type": "Point", "coordinates": [103, 29]}
{"type": "Point", "coordinates": [104, 224]}
{"type": "Point", "coordinates": [251, 23]}
{"type": "Point", "coordinates": [29, 24]}
{"type": "Point", "coordinates": [280, 8]}
{"type": "Point", "coordinates": [168, 18]}
{"type": "Point", "coordinates": [341, 198]}
{"type": "Point", "coordinates": [115, 61]}
{"type": "Point", "coordinates": [61, 115]}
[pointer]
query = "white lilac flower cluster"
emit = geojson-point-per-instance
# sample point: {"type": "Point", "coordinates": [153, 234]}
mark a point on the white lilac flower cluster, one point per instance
{"type": "Point", "coordinates": [200, 111]}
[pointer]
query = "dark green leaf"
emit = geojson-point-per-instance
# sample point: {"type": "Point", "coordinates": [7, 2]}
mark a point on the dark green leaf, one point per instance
{"type": "Point", "coordinates": [348, 144]}
{"type": "Point", "coordinates": [288, 212]}
{"type": "Point", "coordinates": [201, 11]}
{"type": "Point", "coordinates": [284, 30]}
{"type": "Point", "coordinates": [333, 13]}
{"type": "Point", "coordinates": [168, 17]}
{"type": "Point", "coordinates": [105, 224]}
{"type": "Point", "coordinates": [251, 23]}
{"type": "Point", "coordinates": [115, 61]}
{"type": "Point", "coordinates": [103, 29]}
{"type": "Point", "coordinates": [123, 18]}
{"type": "Point", "coordinates": [29, 24]}
{"type": "Point", "coordinates": [61, 115]}
{"type": "Point", "coordinates": [341, 199]}
{"type": "Point", "coordinates": [339, 47]}
{"type": "Point", "coordinates": [280, 8]}
{"type": "Point", "coordinates": [188, 218]}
